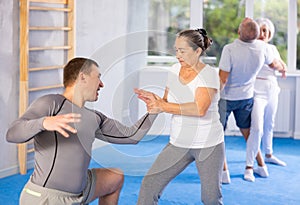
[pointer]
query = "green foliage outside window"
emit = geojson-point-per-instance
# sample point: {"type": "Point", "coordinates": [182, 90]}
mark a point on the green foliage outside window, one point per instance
{"type": "Point", "coordinates": [221, 20]}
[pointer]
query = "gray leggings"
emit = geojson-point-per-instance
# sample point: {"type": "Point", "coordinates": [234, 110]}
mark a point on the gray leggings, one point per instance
{"type": "Point", "coordinates": [173, 160]}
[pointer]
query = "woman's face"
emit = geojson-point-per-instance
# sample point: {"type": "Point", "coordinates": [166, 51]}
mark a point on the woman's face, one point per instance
{"type": "Point", "coordinates": [185, 54]}
{"type": "Point", "coordinates": [264, 33]}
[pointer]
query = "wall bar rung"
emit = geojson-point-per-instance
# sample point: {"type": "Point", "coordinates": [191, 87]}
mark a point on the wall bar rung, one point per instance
{"type": "Point", "coordinates": [46, 68]}
{"type": "Point", "coordinates": [30, 150]}
{"type": "Point", "coordinates": [49, 48]}
{"type": "Point", "coordinates": [46, 87]}
{"type": "Point", "coordinates": [50, 1]}
{"type": "Point", "coordinates": [49, 28]}
{"type": "Point", "coordinates": [41, 8]}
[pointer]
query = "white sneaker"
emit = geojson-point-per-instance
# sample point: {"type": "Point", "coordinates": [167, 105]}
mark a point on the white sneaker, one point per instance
{"type": "Point", "coordinates": [262, 171]}
{"type": "Point", "coordinates": [226, 177]}
{"type": "Point", "coordinates": [275, 160]}
{"type": "Point", "coordinates": [248, 175]}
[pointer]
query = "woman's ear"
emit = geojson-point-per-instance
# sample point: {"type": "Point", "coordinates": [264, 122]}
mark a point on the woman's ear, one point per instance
{"type": "Point", "coordinates": [199, 51]}
{"type": "Point", "coordinates": [269, 35]}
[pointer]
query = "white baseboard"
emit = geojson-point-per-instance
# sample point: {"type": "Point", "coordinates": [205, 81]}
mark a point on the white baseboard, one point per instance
{"type": "Point", "coordinates": [14, 169]}
{"type": "Point", "coordinates": [233, 133]}
{"type": "Point", "coordinates": [283, 134]}
{"type": "Point", "coordinates": [296, 135]}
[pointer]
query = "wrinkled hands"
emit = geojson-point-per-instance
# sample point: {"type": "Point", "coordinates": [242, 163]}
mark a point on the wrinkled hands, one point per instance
{"type": "Point", "coordinates": [283, 70]}
{"type": "Point", "coordinates": [60, 123]}
{"type": "Point", "coordinates": [154, 102]}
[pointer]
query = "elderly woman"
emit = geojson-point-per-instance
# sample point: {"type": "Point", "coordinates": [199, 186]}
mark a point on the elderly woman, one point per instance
{"type": "Point", "coordinates": [191, 96]}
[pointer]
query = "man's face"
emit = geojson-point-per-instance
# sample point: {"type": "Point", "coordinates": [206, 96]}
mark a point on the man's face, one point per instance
{"type": "Point", "coordinates": [93, 84]}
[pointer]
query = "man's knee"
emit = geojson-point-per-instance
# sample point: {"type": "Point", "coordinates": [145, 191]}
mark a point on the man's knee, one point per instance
{"type": "Point", "coordinates": [117, 171]}
{"type": "Point", "coordinates": [118, 175]}
{"type": "Point", "coordinates": [112, 177]}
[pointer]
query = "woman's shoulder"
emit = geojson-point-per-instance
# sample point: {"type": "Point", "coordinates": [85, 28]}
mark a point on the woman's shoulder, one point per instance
{"type": "Point", "coordinates": [273, 47]}
{"type": "Point", "coordinates": [210, 76]}
{"type": "Point", "coordinates": [210, 70]}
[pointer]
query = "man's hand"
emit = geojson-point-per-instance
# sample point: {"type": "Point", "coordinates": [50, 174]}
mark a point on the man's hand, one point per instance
{"type": "Point", "coordinates": [60, 123]}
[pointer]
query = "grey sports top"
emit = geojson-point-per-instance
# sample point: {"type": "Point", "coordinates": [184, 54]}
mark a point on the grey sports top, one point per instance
{"type": "Point", "coordinates": [61, 163]}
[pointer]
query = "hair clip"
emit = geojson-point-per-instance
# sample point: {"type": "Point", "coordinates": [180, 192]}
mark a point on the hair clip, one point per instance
{"type": "Point", "coordinates": [202, 31]}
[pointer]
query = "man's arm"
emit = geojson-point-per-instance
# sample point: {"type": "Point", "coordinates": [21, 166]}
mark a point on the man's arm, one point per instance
{"type": "Point", "coordinates": [277, 65]}
{"type": "Point", "coordinates": [38, 118]}
{"type": "Point", "coordinates": [223, 78]}
{"type": "Point", "coordinates": [23, 129]}
{"type": "Point", "coordinates": [113, 131]}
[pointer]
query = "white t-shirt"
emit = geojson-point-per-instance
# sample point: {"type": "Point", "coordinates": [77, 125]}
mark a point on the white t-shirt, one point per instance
{"type": "Point", "coordinates": [243, 61]}
{"type": "Point", "coordinates": [266, 71]}
{"type": "Point", "coordinates": [190, 131]}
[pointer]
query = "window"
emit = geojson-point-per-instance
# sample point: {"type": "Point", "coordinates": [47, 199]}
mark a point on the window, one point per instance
{"type": "Point", "coordinates": [166, 18]}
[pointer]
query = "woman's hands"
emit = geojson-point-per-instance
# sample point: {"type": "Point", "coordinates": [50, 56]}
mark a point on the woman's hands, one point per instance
{"type": "Point", "coordinates": [283, 71]}
{"type": "Point", "coordinates": [154, 102]}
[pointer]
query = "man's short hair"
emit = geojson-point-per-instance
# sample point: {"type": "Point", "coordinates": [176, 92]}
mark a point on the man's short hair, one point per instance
{"type": "Point", "coordinates": [248, 30]}
{"type": "Point", "coordinates": [74, 67]}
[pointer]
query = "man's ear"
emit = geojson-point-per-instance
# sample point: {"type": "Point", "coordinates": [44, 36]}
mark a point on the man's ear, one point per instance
{"type": "Point", "coordinates": [81, 77]}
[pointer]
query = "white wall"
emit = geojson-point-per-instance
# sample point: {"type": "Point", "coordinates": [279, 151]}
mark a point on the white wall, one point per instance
{"type": "Point", "coordinates": [114, 33]}
{"type": "Point", "coordinates": [8, 80]}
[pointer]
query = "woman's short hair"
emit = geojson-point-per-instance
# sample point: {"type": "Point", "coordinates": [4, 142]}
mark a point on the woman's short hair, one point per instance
{"type": "Point", "coordinates": [268, 23]}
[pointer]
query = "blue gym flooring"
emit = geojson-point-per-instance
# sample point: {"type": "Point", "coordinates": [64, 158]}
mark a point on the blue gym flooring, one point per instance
{"type": "Point", "coordinates": [282, 187]}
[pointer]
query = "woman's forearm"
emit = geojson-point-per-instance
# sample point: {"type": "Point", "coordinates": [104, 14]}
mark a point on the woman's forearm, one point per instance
{"type": "Point", "coordinates": [188, 109]}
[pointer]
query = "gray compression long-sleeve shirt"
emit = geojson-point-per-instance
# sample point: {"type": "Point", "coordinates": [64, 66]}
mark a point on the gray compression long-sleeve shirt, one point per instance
{"type": "Point", "coordinates": [61, 163]}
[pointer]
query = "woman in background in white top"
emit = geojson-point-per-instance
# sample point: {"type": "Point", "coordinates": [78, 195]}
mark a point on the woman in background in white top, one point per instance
{"type": "Point", "coordinates": [266, 92]}
{"type": "Point", "coordinates": [191, 96]}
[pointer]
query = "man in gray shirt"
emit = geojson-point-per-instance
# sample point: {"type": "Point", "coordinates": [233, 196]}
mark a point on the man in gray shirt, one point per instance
{"type": "Point", "coordinates": [64, 130]}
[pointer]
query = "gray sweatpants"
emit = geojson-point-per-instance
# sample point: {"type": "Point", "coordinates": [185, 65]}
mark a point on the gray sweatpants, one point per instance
{"type": "Point", "coordinates": [173, 160]}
